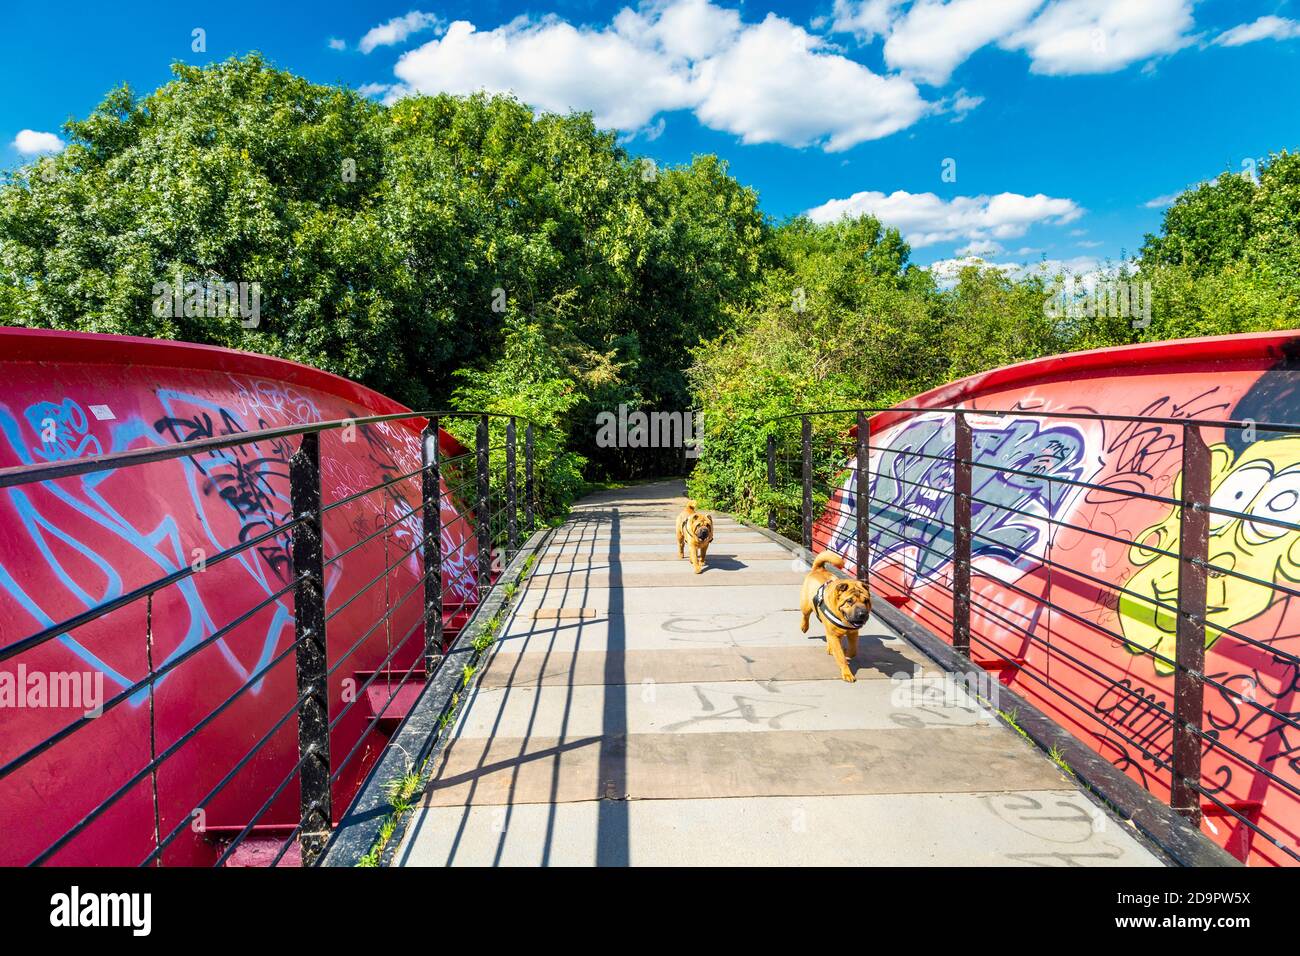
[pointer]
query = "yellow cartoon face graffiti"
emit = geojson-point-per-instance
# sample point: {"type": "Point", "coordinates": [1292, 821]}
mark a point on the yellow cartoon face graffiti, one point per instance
{"type": "Point", "coordinates": [1262, 483]}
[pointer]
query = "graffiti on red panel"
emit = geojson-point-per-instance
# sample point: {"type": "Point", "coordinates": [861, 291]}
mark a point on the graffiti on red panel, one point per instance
{"type": "Point", "coordinates": [1078, 513]}
{"type": "Point", "coordinates": [102, 535]}
{"type": "Point", "coordinates": [95, 534]}
{"type": "Point", "coordinates": [1012, 494]}
{"type": "Point", "coordinates": [73, 544]}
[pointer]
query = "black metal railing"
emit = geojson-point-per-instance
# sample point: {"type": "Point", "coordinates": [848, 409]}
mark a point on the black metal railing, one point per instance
{"type": "Point", "coordinates": [820, 477]}
{"type": "Point", "coordinates": [328, 743]}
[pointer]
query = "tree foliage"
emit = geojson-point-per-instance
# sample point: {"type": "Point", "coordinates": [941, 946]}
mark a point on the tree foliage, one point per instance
{"type": "Point", "coordinates": [469, 250]}
{"type": "Point", "coordinates": [397, 245]}
{"type": "Point", "coordinates": [842, 321]}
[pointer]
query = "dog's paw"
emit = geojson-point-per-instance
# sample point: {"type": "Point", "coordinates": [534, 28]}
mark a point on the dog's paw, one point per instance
{"type": "Point", "coordinates": [803, 625]}
{"type": "Point", "coordinates": [848, 676]}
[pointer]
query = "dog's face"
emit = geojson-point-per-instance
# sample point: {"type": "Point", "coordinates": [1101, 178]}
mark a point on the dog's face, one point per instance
{"type": "Point", "coordinates": [851, 601]}
{"type": "Point", "coordinates": [699, 528]}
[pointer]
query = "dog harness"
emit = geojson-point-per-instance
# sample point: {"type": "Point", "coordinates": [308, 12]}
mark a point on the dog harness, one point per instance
{"type": "Point", "coordinates": [824, 610]}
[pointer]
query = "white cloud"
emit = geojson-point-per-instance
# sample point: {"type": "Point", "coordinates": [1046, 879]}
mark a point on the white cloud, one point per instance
{"type": "Point", "coordinates": [1265, 28]}
{"type": "Point", "coordinates": [929, 39]}
{"type": "Point", "coordinates": [335, 43]}
{"type": "Point", "coordinates": [1086, 270]}
{"type": "Point", "coordinates": [691, 29]}
{"type": "Point", "coordinates": [1160, 202]}
{"type": "Point", "coordinates": [553, 66]}
{"type": "Point", "coordinates": [764, 82]}
{"type": "Point", "coordinates": [933, 38]}
{"type": "Point", "coordinates": [649, 133]}
{"type": "Point", "coordinates": [946, 271]}
{"type": "Point", "coordinates": [654, 130]}
{"type": "Point", "coordinates": [29, 142]}
{"type": "Point", "coordinates": [959, 104]}
{"type": "Point", "coordinates": [865, 19]}
{"type": "Point", "coordinates": [397, 29]}
{"type": "Point", "coordinates": [774, 81]}
{"type": "Point", "coordinates": [925, 219]}
{"type": "Point", "coordinates": [777, 85]}
{"type": "Point", "coordinates": [1102, 36]}
{"type": "Point", "coordinates": [982, 248]}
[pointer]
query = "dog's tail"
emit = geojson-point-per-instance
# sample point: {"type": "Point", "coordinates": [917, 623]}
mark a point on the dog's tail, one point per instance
{"type": "Point", "coordinates": [828, 557]}
{"type": "Point", "coordinates": [690, 507]}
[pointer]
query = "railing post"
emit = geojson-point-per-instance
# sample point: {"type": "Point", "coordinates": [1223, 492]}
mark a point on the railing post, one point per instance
{"type": "Point", "coordinates": [1189, 650]}
{"type": "Point", "coordinates": [431, 492]}
{"type": "Point", "coordinates": [315, 811]}
{"type": "Point", "coordinates": [771, 481]}
{"type": "Point", "coordinates": [862, 511]}
{"type": "Point", "coordinates": [483, 515]}
{"type": "Point", "coordinates": [806, 441]}
{"type": "Point", "coordinates": [961, 491]}
{"type": "Point", "coordinates": [529, 522]}
{"type": "Point", "coordinates": [512, 519]}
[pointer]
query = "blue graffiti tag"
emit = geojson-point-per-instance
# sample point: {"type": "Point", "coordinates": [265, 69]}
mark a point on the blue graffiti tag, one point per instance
{"type": "Point", "coordinates": [62, 428]}
{"type": "Point", "coordinates": [911, 501]}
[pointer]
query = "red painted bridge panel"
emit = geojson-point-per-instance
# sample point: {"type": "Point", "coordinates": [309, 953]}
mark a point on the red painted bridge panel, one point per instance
{"type": "Point", "coordinates": [71, 544]}
{"type": "Point", "coordinates": [1088, 662]}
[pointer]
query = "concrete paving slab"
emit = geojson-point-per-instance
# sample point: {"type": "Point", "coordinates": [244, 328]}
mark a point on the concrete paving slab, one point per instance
{"type": "Point", "coordinates": [603, 540]}
{"type": "Point", "coordinates": [569, 550]}
{"type": "Point", "coordinates": [584, 516]}
{"type": "Point", "coordinates": [569, 712]}
{"type": "Point", "coordinates": [671, 565]}
{"type": "Point", "coordinates": [1031, 828]}
{"type": "Point", "coordinates": [668, 629]}
{"type": "Point", "coordinates": [669, 525]}
{"type": "Point", "coordinates": [563, 614]}
{"type": "Point", "coordinates": [663, 550]}
{"type": "Point", "coordinates": [684, 599]}
{"type": "Point", "coordinates": [617, 766]}
{"type": "Point", "coordinates": [875, 661]}
{"type": "Point", "coordinates": [681, 576]}
{"type": "Point", "coordinates": [597, 561]}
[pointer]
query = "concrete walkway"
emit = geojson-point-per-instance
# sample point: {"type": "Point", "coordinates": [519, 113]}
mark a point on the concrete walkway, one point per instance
{"type": "Point", "coordinates": [636, 713]}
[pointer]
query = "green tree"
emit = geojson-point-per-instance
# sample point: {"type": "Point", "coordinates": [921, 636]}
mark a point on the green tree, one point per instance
{"type": "Point", "coordinates": [397, 245]}
{"type": "Point", "coordinates": [1227, 258]}
{"type": "Point", "coordinates": [470, 250]}
{"type": "Point", "coordinates": [840, 320]}
{"type": "Point", "coordinates": [992, 319]}
{"type": "Point", "coordinates": [1205, 228]}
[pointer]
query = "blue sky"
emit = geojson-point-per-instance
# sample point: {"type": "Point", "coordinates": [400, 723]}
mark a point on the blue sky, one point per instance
{"type": "Point", "coordinates": [1015, 130]}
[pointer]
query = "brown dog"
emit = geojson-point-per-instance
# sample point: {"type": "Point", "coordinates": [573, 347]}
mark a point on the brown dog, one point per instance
{"type": "Point", "coordinates": [842, 605]}
{"type": "Point", "coordinates": [697, 528]}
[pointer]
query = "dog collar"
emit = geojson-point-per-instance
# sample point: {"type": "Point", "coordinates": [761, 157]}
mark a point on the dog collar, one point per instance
{"type": "Point", "coordinates": [824, 611]}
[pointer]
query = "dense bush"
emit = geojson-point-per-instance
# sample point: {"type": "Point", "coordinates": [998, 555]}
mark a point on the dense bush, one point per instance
{"type": "Point", "coordinates": [870, 330]}
{"type": "Point", "coordinates": [400, 246]}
